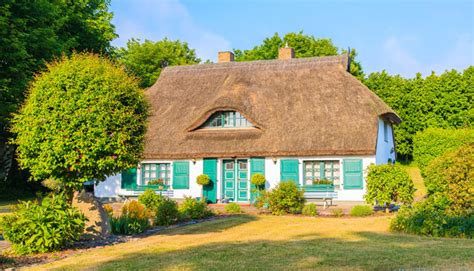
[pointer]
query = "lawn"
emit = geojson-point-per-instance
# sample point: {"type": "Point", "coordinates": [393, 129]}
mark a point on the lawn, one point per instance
{"type": "Point", "coordinates": [271, 242]}
{"type": "Point", "coordinates": [415, 175]}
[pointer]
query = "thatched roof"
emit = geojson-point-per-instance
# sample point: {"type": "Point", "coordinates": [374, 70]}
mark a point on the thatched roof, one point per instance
{"type": "Point", "coordinates": [300, 107]}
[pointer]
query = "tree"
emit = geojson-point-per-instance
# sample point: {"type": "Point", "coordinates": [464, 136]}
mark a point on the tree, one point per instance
{"type": "Point", "coordinates": [146, 60]}
{"type": "Point", "coordinates": [32, 33]}
{"type": "Point", "coordinates": [387, 184]}
{"type": "Point", "coordinates": [443, 101]}
{"type": "Point", "coordinates": [84, 119]}
{"type": "Point", "coordinates": [304, 46]}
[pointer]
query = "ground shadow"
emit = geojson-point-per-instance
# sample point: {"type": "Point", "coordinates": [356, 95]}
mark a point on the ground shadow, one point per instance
{"type": "Point", "coordinates": [368, 251]}
{"type": "Point", "coordinates": [212, 226]}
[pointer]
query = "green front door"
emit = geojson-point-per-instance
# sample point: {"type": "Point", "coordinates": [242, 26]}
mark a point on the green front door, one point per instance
{"type": "Point", "coordinates": [236, 180]}
{"type": "Point", "coordinates": [210, 190]}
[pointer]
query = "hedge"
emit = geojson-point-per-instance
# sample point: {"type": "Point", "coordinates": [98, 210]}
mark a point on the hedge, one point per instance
{"type": "Point", "coordinates": [434, 142]}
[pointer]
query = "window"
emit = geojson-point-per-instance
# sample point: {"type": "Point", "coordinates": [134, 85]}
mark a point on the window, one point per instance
{"type": "Point", "coordinates": [385, 131]}
{"type": "Point", "coordinates": [227, 119]}
{"type": "Point", "coordinates": [321, 172]}
{"type": "Point", "coordinates": [156, 171]}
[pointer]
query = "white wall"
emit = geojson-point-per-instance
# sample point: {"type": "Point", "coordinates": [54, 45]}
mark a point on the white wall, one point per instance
{"type": "Point", "coordinates": [111, 187]}
{"type": "Point", "coordinates": [385, 148]}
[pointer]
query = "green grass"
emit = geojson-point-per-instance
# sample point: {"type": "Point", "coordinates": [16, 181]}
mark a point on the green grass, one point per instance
{"type": "Point", "coordinates": [278, 243]}
{"type": "Point", "coordinates": [415, 174]}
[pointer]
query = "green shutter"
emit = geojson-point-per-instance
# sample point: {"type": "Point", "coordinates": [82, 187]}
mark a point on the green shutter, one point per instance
{"type": "Point", "coordinates": [257, 165]}
{"type": "Point", "coordinates": [210, 190]}
{"type": "Point", "coordinates": [181, 175]}
{"type": "Point", "coordinates": [289, 170]}
{"type": "Point", "coordinates": [353, 175]}
{"type": "Point", "coordinates": [129, 178]}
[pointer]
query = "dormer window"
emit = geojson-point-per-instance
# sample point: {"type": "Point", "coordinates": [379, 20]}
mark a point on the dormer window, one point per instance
{"type": "Point", "coordinates": [227, 119]}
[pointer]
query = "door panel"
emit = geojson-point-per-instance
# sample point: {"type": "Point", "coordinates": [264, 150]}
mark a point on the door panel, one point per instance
{"type": "Point", "coordinates": [236, 181]}
{"type": "Point", "coordinates": [210, 190]}
{"type": "Point", "coordinates": [229, 179]}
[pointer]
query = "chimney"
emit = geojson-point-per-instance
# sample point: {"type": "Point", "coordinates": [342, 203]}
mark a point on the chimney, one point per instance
{"type": "Point", "coordinates": [286, 53]}
{"type": "Point", "coordinates": [225, 57]}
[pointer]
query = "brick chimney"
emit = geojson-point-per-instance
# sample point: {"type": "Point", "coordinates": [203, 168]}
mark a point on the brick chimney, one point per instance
{"type": "Point", "coordinates": [225, 57]}
{"type": "Point", "coordinates": [286, 53]}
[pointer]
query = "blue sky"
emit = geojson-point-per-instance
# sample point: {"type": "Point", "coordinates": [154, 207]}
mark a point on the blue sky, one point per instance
{"type": "Point", "coordinates": [402, 37]}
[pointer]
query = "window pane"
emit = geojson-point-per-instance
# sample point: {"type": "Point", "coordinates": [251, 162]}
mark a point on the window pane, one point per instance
{"type": "Point", "coordinates": [242, 165]}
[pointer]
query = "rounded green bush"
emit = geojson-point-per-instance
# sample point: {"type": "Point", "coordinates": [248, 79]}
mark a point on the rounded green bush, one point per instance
{"type": "Point", "coordinates": [150, 199]}
{"type": "Point", "coordinates": [203, 179]}
{"type": "Point", "coordinates": [84, 118]}
{"type": "Point", "coordinates": [258, 180]}
{"type": "Point", "coordinates": [232, 208]}
{"type": "Point", "coordinates": [310, 210]}
{"type": "Point", "coordinates": [451, 176]}
{"type": "Point", "coordinates": [191, 208]}
{"type": "Point", "coordinates": [361, 210]}
{"type": "Point", "coordinates": [286, 198]}
{"type": "Point", "coordinates": [387, 184]}
{"type": "Point", "coordinates": [43, 227]}
{"type": "Point", "coordinates": [166, 213]}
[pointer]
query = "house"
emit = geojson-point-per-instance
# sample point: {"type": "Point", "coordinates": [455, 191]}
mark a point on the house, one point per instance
{"type": "Point", "coordinates": [307, 120]}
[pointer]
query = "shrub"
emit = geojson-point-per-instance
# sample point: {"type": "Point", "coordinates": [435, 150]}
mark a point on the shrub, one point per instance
{"type": "Point", "coordinates": [310, 210]}
{"type": "Point", "coordinates": [387, 184]}
{"type": "Point", "coordinates": [43, 227]}
{"type": "Point", "coordinates": [164, 210]}
{"type": "Point", "coordinates": [150, 199]}
{"type": "Point", "coordinates": [258, 180]}
{"type": "Point", "coordinates": [108, 209]}
{"type": "Point", "coordinates": [166, 213]}
{"type": "Point", "coordinates": [203, 179]}
{"type": "Point", "coordinates": [451, 176]}
{"type": "Point", "coordinates": [337, 212]}
{"type": "Point", "coordinates": [286, 198]}
{"type": "Point", "coordinates": [133, 219]}
{"type": "Point", "coordinates": [84, 118]}
{"type": "Point", "coordinates": [193, 209]}
{"type": "Point", "coordinates": [261, 200]}
{"type": "Point", "coordinates": [434, 142]}
{"type": "Point", "coordinates": [361, 210]}
{"type": "Point", "coordinates": [426, 218]}
{"type": "Point", "coordinates": [232, 208]}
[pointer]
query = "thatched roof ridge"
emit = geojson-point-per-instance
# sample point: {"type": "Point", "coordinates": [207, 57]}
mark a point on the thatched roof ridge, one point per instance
{"type": "Point", "coordinates": [300, 107]}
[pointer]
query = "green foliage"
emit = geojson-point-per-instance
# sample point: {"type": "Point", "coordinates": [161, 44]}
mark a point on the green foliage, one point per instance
{"type": "Point", "coordinates": [34, 32]}
{"type": "Point", "coordinates": [43, 227]}
{"type": "Point", "coordinates": [443, 101]}
{"type": "Point", "coordinates": [84, 119]}
{"type": "Point", "coordinates": [134, 219]}
{"type": "Point", "coordinates": [150, 199]}
{"type": "Point", "coordinates": [146, 60]}
{"type": "Point", "coordinates": [165, 210]}
{"type": "Point", "coordinates": [191, 208]}
{"type": "Point", "coordinates": [426, 218]}
{"type": "Point", "coordinates": [286, 198]}
{"type": "Point", "coordinates": [433, 142]}
{"type": "Point", "coordinates": [450, 179]}
{"type": "Point", "coordinates": [310, 210]}
{"type": "Point", "coordinates": [388, 183]}
{"type": "Point", "coordinates": [258, 179]}
{"type": "Point", "coordinates": [203, 179]}
{"type": "Point", "coordinates": [337, 212]}
{"type": "Point", "coordinates": [304, 46]}
{"type": "Point", "coordinates": [361, 210]}
{"type": "Point", "coordinates": [232, 208]}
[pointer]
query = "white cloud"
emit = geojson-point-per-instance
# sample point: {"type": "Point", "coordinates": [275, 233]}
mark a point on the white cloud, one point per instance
{"type": "Point", "coordinates": [155, 20]}
{"type": "Point", "coordinates": [399, 59]}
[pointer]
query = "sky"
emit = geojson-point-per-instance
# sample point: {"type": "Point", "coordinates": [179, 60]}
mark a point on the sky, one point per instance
{"type": "Point", "coordinates": [401, 37]}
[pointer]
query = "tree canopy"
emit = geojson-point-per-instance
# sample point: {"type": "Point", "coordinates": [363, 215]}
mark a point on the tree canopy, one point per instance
{"type": "Point", "coordinates": [146, 59]}
{"type": "Point", "coordinates": [84, 119]}
{"type": "Point", "coordinates": [443, 101]}
{"type": "Point", "coordinates": [304, 46]}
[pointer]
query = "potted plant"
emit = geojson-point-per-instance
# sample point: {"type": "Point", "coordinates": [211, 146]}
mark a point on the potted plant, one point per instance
{"type": "Point", "coordinates": [203, 180]}
{"type": "Point", "coordinates": [258, 180]}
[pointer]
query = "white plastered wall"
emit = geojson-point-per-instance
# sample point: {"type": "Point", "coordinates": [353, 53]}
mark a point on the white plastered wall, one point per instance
{"type": "Point", "coordinates": [385, 150]}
